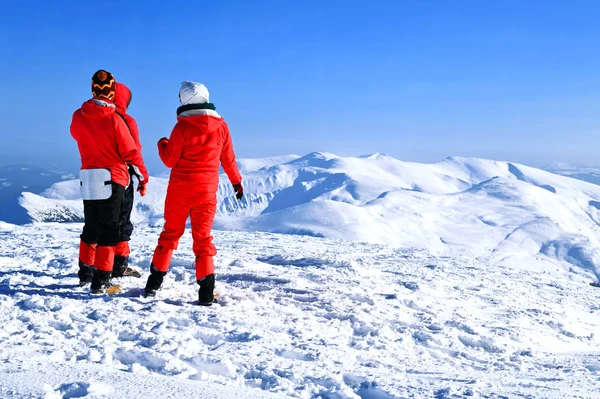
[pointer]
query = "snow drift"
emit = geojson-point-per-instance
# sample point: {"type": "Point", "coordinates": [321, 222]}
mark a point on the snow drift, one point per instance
{"type": "Point", "coordinates": [496, 211]}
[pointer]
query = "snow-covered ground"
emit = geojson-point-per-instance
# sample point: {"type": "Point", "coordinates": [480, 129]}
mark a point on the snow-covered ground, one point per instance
{"type": "Point", "coordinates": [299, 316]}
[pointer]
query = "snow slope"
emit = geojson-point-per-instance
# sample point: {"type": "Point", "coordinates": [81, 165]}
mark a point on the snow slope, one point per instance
{"type": "Point", "coordinates": [494, 211]}
{"type": "Point", "coordinates": [300, 316]}
{"type": "Point", "coordinates": [14, 179]}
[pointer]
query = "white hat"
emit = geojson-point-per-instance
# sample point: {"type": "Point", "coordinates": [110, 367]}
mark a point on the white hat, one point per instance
{"type": "Point", "coordinates": [193, 93]}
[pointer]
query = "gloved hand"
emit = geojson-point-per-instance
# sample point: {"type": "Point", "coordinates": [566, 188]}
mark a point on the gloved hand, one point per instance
{"type": "Point", "coordinates": [162, 142]}
{"type": "Point", "coordinates": [239, 191]}
{"type": "Point", "coordinates": [141, 188]}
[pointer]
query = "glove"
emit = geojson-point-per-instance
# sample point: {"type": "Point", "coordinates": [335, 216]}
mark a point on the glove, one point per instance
{"type": "Point", "coordinates": [162, 142]}
{"type": "Point", "coordinates": [239, 191]}
{"type": "Point", "coordinates": [141, 188]}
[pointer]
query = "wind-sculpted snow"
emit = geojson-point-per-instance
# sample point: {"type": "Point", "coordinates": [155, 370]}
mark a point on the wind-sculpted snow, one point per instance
{"type": "Point", "coordinates": [485, 209]}
{"type": "Point", "coordinates": [299, 316]}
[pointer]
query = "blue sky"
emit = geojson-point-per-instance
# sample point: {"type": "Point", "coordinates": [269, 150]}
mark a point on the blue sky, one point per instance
{"type": "Point", "coordinates": [419, 80]}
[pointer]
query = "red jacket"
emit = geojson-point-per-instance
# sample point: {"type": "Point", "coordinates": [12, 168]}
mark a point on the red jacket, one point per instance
{"type": "Point", "coordinates": [197, 146]}
{"type": "Point", "coordinates": [122, 100]}
{"type": "Point", "coordinates": [104, 140]}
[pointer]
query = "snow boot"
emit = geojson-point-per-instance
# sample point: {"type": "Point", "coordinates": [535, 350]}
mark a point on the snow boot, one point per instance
{"type": "Point", "coordinates": [101, 283]}
{"type": "Point", "coordinates": [154, 281]}
{"type": "Point", "coordinates": [206, 295]}
{"type": "Point", "coordinates": [121, 268]}
{"type": "Point", "coordinates": [85, 274]}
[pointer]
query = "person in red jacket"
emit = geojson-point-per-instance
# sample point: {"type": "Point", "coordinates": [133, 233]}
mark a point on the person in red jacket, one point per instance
{"type": "Point", "coordinates": [106, 148]}
{"type": "Point", "coordinates": [121, 265]}
{"type": "Point", "coordinates": [199, 143]}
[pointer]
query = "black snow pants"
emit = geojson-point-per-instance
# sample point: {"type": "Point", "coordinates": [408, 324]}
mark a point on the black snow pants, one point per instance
{"type": "Point", "coordinates": [125, 224]}
{"type": "Point", "coordinates": [102, 218]}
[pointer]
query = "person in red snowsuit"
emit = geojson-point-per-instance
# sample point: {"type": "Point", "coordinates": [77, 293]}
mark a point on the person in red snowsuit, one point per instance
{"type": "Point", "coordinates": [199, 143]}
{"type": "Point", "coordinates": [106, 148]}
{"type": "Point", "coordinates": [122, 250]}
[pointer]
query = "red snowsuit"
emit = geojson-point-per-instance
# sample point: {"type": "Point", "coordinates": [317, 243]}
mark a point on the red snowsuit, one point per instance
{"type": "Point", "coordinates": [196, 148]}
{"type": "Point", "coordinates": [104, 143]}
{"type": "Point", "coordinates": [122, 100]}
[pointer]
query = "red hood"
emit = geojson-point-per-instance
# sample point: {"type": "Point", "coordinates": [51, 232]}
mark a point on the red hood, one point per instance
{"type": "Point", "coordinates": [91, 109]}
{"type": "Point", "coordinates": [122, 97]}
{"type": "Point", "coordinates": [205, 122]}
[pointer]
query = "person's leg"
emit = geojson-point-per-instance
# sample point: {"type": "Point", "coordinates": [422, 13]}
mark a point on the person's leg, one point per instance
{"type": "Point", "coordinates": [109, 212]}
{"type": "Point", "coordinates": [125, 222]}
{"type": "Point", "coordinates": [122, 250]}
{"type": "Point", "coordinates": [121, 263]}
{"type": "Point", "coordinates": [177, 209]}
{"type": "Point", "coordinates": [88, 242]}
{"type": "Point", "coordinates": [202, 217]}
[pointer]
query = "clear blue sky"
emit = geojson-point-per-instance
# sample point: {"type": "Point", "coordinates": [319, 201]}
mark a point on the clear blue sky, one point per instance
{"type": "Point", "coordinates": [419, 80]}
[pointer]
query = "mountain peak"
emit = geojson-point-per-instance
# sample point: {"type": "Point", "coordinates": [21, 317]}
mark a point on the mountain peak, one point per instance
{"type": "Point", "coordinates": [321, 155]}
{"type": "Point", "coordinates": [376, 155]}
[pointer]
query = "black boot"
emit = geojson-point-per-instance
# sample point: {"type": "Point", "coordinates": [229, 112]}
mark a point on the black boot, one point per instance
{"type": "Point", "coordinates": [121, 268]}
{"type": "Point", "coordinates": [85, 273]}
{"type": "Point", "coordinates": [154, 281]}
{"type": "Point", "coordinates": [101, 282]}
{"type": "Point", "coordinates": [206, 295]}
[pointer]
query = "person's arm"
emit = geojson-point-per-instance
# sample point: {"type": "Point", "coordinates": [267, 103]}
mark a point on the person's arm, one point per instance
{"type": "Point", "coordinates": [228, 159]}
{"type": "Point", "coordinates": [171, 149]}
{"type": "Point", "coordinates": [73, 128]}
{"type": "Point", "coordinates": [133, 126]}
{"type": "Point", "coordinates": [128, 150]}
{"type": "Point", "coordinates": [140, 169]}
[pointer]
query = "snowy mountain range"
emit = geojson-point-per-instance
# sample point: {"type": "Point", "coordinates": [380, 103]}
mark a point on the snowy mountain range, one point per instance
{"type": "Point", "coordinates": [494, 211]}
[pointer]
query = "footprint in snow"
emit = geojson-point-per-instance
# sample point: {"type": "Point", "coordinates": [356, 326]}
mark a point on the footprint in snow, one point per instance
{"type": "Point", "coordinates": [295, 355]}
{"type": "Point", "coordinates": [245, 279]}
{"type": "Point", "coordinates": [78, 390]}
{"type": "Point", "coordinates": [278, 260]}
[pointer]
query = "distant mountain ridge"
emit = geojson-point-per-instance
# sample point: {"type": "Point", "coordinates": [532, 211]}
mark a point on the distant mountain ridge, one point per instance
{"type": "Point", "coordinates": [591, 174]}
{"type": "Point", "coordinates": [15, 179]}
{"type": "Point", "coordinates": [492, 210]}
